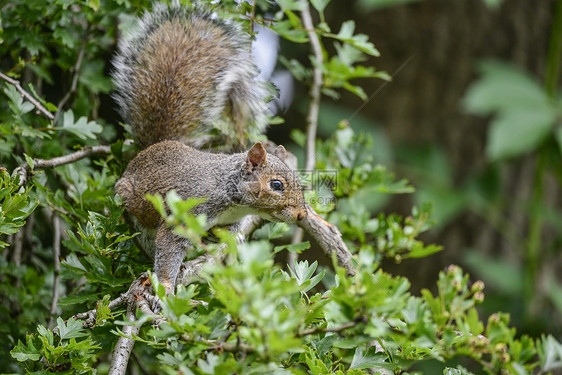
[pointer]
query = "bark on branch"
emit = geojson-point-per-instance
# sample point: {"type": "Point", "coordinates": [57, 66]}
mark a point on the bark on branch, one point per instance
{"type": "Point", "coordinates": [24, 169]}
{"type": "Point", "coordinates": [329, 238]}
{"type": "Point", "coordinates": [313, 108]}
{"type": "Point", "coordinates": [317, 79]}
{"type": "Point", "coordinates": [28, 96]}
{"type": "Point", "coordinates": [89, 317]}
{"type": "Point", "coordinates": [124, 345]}
{"type": "Point", "coordinates": [56, 267]}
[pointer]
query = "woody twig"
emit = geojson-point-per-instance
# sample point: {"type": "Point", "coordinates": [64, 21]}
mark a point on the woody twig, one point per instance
{"type": "Point", "coordinates": [329, 238]}
{"type": "Point", "coordinates": [28, 96]}
{"type": "Point", "coordinates": [313, 107]}
{"type": "Point", "coordinates": [24, 169]}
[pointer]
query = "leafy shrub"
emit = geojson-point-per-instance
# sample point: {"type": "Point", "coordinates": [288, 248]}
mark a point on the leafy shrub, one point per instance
{"type": "Point", "coordinates": [249, 315]}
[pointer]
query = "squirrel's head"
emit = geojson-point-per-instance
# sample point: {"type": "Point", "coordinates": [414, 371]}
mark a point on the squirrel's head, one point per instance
{"type": "Point", "coordinates": [273, 188]}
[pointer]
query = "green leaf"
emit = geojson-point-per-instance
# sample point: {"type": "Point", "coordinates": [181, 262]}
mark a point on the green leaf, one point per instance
{"type": "Point", "coordinates": [419, 250]}
{"type": "Point", "coordinates": [178, 205]}
{"type": "Point", "coordinates": [298, 137]}
{"type": "Point", "coordinates": [93, 77]}
{"type": "Point", "coordinates": [293, 248]}
{"type": "Point", "coordinates": [524, 113]}
{"type": "Point", "coordinates": [29, 161]}
{"type": "Point", "coordinates": [518, 131]}
{"type": "Point", "coordinates": [23, 352]}
{"type": "Point", "coordinates": [448, 202]}
{"type": "Point", "coordinates": [338, 73]}
{"type": "Point", "coordinates": [291, 5]}
{"type": "Point", "coordinates": [17, 103]}
{"type": "Point", "coordinates": [15, 204]}
{"type": "Point", "coordinates": [359, 41]}
{"type": "Point", "coordinates": [94, 4]}
{"type": "Point", "coordinates": [177, 304]}
{"type": "Point", "coordinates": [65, 36]}
{"type": "Point", "coordinates": [550, 353]}
{"type": "Point", "coordinates": [368, 360]}
{"type": "Point", "coordinates": [72, 329]}
{"type": "Point", "coordinates": [46, 334]}
{"type": "Point", "coordinates": [320, 5]}
{"type": "Point", "coordinates": [325, 344]}
{"type": "Point", "coordinates": [208, 366]}
{"type": "Point", "coordinates": [503, 87]}
{"type": "Point", "coordinates": [81, 128]}
{"type": "Point", "coordinates": [287, 30]}
{"type": "Point", "coordinates": [158, 203]}
{"type": "Point", "coordinates": [158, 288]}
{"type": "Point", "coordinates": [272, 231]}
{"type": "Point", "coordinates": [297, 69]}
{"type": "Point", "coordinates": [303, 274]}
{"type": "Point", "coordinates": [313, 281]}
{"type": "Point", "coordinates": [50, 106]}
{"type": "Point", "coordinates": [302, 271]}
{"type": "Point", "coordinates": [103, 312]}
{"type": "Point", "coordinates": [254, 252]}
{"type": "Point", "coordinates": [476, 326]}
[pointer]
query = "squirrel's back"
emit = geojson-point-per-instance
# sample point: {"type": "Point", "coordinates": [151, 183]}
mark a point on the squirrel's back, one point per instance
{"type": "Point", "coordinates": [182, 74]}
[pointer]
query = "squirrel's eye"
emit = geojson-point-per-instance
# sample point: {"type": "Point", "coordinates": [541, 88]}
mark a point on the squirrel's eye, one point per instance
{"type": "Point", "coordinates": [276, 185]}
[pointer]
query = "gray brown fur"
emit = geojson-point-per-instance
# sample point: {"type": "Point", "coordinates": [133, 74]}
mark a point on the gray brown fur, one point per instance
{"type": "Point", "coordinates": [226, 181]}
{"type": "Point", "coordinates": [183, 74]}
{"type": "Point", "coordinates": [234, 185]}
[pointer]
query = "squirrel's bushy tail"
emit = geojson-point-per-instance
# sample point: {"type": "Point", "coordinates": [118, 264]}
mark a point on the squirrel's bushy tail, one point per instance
{"type": "Point", "coordinates": [183, 74]}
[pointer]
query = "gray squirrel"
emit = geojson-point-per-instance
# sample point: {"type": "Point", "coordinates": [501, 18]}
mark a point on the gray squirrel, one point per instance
{"type": "Point", "coordinates": [185, 81]}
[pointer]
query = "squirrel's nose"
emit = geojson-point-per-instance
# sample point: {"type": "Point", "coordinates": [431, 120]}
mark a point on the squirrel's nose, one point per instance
{"type": "Point", "coordinates": [301, 215]}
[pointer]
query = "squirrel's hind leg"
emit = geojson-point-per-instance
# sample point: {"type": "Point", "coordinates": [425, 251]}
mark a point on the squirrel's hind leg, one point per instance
{"type": "Point", "coordinates": [170, 253]}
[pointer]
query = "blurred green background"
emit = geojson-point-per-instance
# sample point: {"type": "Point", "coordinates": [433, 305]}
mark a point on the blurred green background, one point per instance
{"type": "Point", "coordinates": [472, 118]}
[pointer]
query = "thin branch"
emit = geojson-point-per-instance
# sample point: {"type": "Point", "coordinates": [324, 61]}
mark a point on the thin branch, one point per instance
{"type": "Point", "coordinates": [89, 317]}
{"type": "Point", "coordinates": [313, 109]}
{"type": "Point", "coordinates": [70, 158]}
{"type": "Point", "coordinates": [24, 169]}
{"type": "Point", "coordinates": [124, 345]}
{"type": "Point", "coordinates": [16, 241]}
{"type": "Point", "coordinates": [135, 299]}
{"type": "Point", "coordinates": [56, 262]}
{"type": "Point", "coordinates": [28, 232]}
{"type": "Point", "coordinates": [17, 245]}
{"type": "Point", "coordinates": [329, 238]}
{"type": "Point", "coordinates": [144, 307]}
{"type": "Point", "coordinates": [28, 96]}
{"type": "Point", "coordinates": [317, 81]}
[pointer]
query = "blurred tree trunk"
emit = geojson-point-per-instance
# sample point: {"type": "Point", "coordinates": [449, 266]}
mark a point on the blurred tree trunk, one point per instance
{"type": "Point", "coordinates": [445, 38]}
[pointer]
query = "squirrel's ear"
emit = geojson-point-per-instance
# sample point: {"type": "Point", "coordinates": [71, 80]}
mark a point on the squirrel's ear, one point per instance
{"type": "Point", "coordinates": [280, 152]}
{"type": "Point", "coordinates": [256, 156]}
